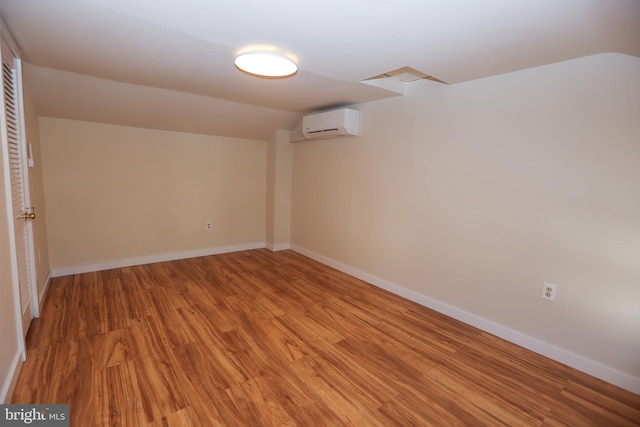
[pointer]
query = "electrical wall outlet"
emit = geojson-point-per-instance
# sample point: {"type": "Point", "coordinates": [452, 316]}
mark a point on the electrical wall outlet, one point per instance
{"type": "Point", "coordinates": [549, 291]}
{"type": "Point", "coordinates": [208, 226]}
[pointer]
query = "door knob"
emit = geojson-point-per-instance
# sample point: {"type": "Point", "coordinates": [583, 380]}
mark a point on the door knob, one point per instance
{"type": "Point", "coordinates": [30, 214]}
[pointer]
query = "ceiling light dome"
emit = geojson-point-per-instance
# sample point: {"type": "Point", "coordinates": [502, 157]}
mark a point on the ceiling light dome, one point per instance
{"type": "Point", "coordinates": [266, 64]}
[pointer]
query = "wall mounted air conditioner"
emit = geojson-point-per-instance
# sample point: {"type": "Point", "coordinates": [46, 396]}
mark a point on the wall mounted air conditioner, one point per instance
{"type": "Point", "coordinates": [331, 124]}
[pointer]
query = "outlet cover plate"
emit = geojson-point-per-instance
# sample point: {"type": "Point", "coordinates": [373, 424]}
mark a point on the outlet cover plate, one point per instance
{"type": "Point", "coordinates": [549, 292]}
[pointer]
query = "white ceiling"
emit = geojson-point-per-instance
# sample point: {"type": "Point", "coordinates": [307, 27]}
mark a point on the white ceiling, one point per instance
{"type": "Point", "coordinates": [160, 63]}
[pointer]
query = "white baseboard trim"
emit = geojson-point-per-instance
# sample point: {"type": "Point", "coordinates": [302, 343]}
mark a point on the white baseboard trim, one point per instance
{"type": "Point", "coordinates": [278, 247]}
{"type": "Point", "coordinates": [173, 256]}
{"type": "Point", "coordinates": [598, 370]}
{"type": "Point", "coordinates": [12, 377]}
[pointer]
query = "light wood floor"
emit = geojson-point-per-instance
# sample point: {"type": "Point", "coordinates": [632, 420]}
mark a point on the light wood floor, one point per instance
{"type": "Point", "coordinates": [259, 338]}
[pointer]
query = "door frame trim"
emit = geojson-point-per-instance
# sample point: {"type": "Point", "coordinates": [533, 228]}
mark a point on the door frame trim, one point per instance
{"type": "Point", "coordinates": [33, 282]}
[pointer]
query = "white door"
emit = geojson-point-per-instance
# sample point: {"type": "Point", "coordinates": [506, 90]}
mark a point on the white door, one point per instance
{"type": "Point", "coordinates": [14, 143]}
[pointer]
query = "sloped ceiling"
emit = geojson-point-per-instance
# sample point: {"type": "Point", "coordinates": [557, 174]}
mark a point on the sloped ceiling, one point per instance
{"type": "Point", "coordinates": [169, 63]}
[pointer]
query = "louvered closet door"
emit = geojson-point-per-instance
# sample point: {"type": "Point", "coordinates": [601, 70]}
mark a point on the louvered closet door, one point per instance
{"type": "Point", "coordinates": [19, 188]}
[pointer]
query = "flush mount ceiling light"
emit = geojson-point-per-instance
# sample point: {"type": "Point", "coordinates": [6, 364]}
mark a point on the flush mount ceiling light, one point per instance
{"type": "Point", "coordinates": [266, 64]}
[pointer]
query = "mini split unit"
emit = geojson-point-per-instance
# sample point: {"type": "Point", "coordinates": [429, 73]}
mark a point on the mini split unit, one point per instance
{"type": "Point", "coordinates": [331, 124]}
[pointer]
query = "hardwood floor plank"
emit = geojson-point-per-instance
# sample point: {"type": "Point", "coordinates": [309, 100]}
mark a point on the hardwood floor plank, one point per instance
{"type": "Point", "coordinates": [516, 393]}
{"type": "Point", "coordinates": [369, 386]}
{"type": "Point", "coordinates": [171, 327]}
{"type": "Point", "coordinates": [204, 387]}
{"type": "Point", "coordinates": [482, 408]}
{"type": "Point", "coordinates": [111, 348]}
{"type": "Point", "coordinates": [258, 404]}
{"type": "Point", "coordinates": [159, 391]}
{"type": "Point", "coordinates": [214, 346]}
{"type": "Point", "coordinates": [247, 311]}
{"type": "Point", "coordinates": [324, 389]}
{"type": "Point", "coordinates": [50, 368]}
{"type": "Point", "coordinates": [180, 418]}
{"type": "Point", "coordinates": [255, 361]}
{"type": "Point", "coordinates": [59, 321]}
{"type": "Point", "coordinates": [147, 339]}
{"type": "Point", "coordinates": [135, 284]}
{"type": "Point", "coordinates": [284, 344]}
{"type": "Point", "coordinates": [297, 399]}
{"type": "Point", "coordinates": [118, 398]}
{"type": "Point", "coordinates": [86, 289]}
{"type": "Point", "coordinates": [304, 325]}
{"type": "Point", "coordinates": [599, 406]}
{"type": "Point", "coordinates": [257, 338]}
{"type": "Point", "coordinates": [80, 386]}
{"type": "Point", "coordinates": [420, 409]}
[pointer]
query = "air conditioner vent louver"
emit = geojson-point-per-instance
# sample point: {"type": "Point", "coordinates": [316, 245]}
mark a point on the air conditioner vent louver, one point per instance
{"type": "Point", "coordinates": [324, 130]}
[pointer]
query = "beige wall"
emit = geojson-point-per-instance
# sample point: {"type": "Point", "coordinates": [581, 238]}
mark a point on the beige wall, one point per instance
{"type": "Point", "coordinates": [279, 170]}
{"type": "Point", "coordinates": [115, 193]}
{"type": "Point", "coordinates": [9, 348]}
{"type": "Point", "coordinates": [477, 193]}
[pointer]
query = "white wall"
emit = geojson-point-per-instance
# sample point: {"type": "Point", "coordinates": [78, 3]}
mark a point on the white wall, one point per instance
{"type": "Point", "coordinates": [475, 194]}
{"type": "Point", "coordinates": [117, 193]}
